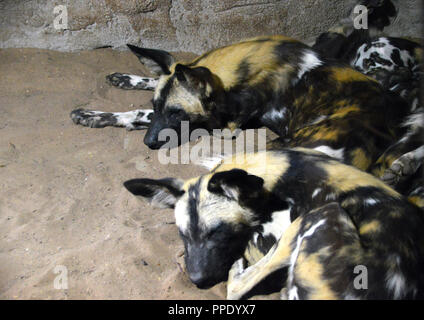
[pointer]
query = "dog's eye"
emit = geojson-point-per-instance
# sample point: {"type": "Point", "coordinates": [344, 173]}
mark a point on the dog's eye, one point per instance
{"type": "Point", "coordinates": [177, 113]}
{"type": "Point", "coordinates": [214, 232]}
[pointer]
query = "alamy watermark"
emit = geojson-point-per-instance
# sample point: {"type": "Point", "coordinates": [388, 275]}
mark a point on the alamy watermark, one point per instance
{"type": "Point", "coordinates": [61, 280]}
{"type": "Point", "coordinates": [60, 21]}
{"type": "Point", "coordinates": [229, 143]}
{"type": "Point", "coordinates": [360, 21]}
{"type": "Point", "coordinates": [361, 280]}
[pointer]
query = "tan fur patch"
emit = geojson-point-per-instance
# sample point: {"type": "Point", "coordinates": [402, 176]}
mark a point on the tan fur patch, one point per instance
{"type": "Point", "coordinates": [252, 254]}
{"type": "Point", "coordinates": [161, 83]}
{"type": "Point", "coordinates": [309, 272]}
{"type": "Point", "coordinates": [259, 56]}
{"type": "Point", "coordinates": [319, 133]}
{"type": "Point", "coordinates": [370, 227]}
{"type": "Point", "coordinates": [309, 151]}
{"type": "Point", "coordinates": [418, 54]}
{"type": "Point", "coordinates": [349, 75]}
{"type": "Point", "coordinates": [360, 159]}
{"type": "Point", "coordinates": [346, 178]}
{"type": "Point", "coordinates": [383, 163]}
{"type": "Point", "coordinates": [267, 165]}
{"type": "Point", "coordinates": [214, 209]}
{"type": "Point", "coordinates": [345, 109]}
{"type": "Point", "coordinates": [338, 29]}
{"type": "Point", "coordinates": [418, 201]}
{"type": "Point", "coordinates": [232, 126]}
{"type": "Point", "coordinates": [180, 96]}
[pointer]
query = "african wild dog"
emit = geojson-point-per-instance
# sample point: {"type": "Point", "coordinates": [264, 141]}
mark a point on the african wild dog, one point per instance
{"type": "Point", "coordinates": [328, 217]}
{"type": "Point", "coordinates": [284, 85]}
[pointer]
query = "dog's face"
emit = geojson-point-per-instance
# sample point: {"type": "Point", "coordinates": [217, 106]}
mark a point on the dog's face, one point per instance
{"type": "Point", "coordinates": [215, 215]}
{"type": "Point", "coordinates": [183, 93]}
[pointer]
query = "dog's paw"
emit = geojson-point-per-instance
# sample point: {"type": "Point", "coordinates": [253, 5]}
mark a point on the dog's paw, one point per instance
{"type": "Point", "coordinates": [401, 167]}
{"type": "Point", "coordinates": [119, 80]}
{"type": "Point", "coordinates": [131, 82]}
{"type": "Point", "coordinates": [93, 119]}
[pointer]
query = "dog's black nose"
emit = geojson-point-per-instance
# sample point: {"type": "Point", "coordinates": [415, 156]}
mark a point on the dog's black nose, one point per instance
{"type": "Point", "coordinates": [153, 143]}
{"type": "Point", "coordinates": [201, 281]}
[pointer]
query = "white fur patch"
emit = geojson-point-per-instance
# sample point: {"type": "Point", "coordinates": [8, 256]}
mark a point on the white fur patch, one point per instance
{"type": "Point", "coordinates": [162, 199]}
{"type": "Point", "coordinates": [214, 210]}
{"type": "Point", "coordinates": [209, 162]}
{"type": "Point", "coordinates": [275, 115]}
{"type": "Point", "coordinates": [309, 62]}
{"type": "Point", "coordinates": [229, 192]}
{"type": "Point", "coordinates": [293, 295]}
{"type": "Point", "coordinates": [384, 52]}
{"type": "Point", "coordinates": [148, 83]}
{"type": "Point", "coordinates": [132, 118]}
{"type": "Point", "coordinates": [318, 119]}
{"type": "Point", "coordinates": [296, 251]}
{"type": "Point", "coordinates": [415, 104]}
{"type": "Point", "coordinates": [396, 283]}
{"type": "Point", "coordinates": [334, 153]}
{"type": "Point", "coordinates": [316, 192]}
{"type": "Point", "coordinates": [395, 280]}
{"type": "Point", "coordinates": [351, 297]}
{"type": "Point", "coordinates": [331, 196]}
{"type": "Point", "coordinates": [415, 121]}
{"type": "Point", "coordinates": [278, 225]}
{"type": "Point", "coordinates": [371, 201]}
{"type": "Point", "coordinates": [163, 79]}
{"type": "Point", "coordinates": [418, 154]}
{"type": "Point", "coordinates": [182, 219]}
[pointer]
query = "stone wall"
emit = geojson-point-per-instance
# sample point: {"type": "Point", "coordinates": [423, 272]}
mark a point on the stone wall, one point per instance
{"type": "Point", "coordinates": [176, 25]}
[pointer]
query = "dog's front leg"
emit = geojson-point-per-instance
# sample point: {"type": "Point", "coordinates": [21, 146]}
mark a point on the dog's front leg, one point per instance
{"type": "Point", "coordinates": [131, 82]}
{"type": "Point", "coordinates": [131, 120]}
{"type": "Point", "coordinates": [241, 281]}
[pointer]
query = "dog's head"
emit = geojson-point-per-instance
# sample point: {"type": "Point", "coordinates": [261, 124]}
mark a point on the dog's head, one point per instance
{"type": "Point", "coordinates": [184, 93]}
{"type": "Point", "coordinates": [216, 215]}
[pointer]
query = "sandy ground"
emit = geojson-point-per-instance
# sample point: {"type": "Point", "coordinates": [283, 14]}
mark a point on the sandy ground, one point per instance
{"type": "Point", "coordinates": [62, 202]}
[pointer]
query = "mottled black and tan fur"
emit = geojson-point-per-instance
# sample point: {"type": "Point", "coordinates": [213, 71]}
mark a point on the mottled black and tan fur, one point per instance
{"type": "Point", "coordinates": [331, 217]}
{"type": "Point", "coordinates": [396, 63]}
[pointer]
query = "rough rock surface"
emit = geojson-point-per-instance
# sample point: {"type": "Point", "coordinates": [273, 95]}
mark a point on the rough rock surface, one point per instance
{"type": "Point", "coordinates": [177, 25]}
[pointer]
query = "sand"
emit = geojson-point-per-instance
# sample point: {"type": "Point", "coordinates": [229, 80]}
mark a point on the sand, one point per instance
{"type": "Point", "coordinates": [62, 202]}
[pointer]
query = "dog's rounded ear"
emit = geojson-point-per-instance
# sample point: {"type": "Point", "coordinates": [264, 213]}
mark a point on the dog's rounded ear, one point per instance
{"type": "Point", "coordinates": [236, 184]}
{"type": "Point", "coordinates": [196, 78]}
{"type": "Point", "coordinates": [162, 193]}
{"type": "Point", "coordinates": [157, 61]}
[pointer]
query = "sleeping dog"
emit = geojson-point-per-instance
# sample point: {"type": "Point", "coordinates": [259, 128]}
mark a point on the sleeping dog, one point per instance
{"type": "Point", "coordinates": [326, 217]}
{"type": "Point", "coordinates": [275, 82]}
